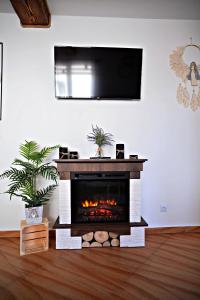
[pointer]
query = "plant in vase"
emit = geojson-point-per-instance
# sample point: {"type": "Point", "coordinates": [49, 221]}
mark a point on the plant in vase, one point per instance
{"type": "Point", "coordinates": [101, 139]}
{"type": "Point", "coordinates": [24, 176]}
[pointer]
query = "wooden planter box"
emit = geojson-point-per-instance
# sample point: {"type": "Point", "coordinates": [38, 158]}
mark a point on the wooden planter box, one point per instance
{"type": "Point", "coordinates": [34, 238]}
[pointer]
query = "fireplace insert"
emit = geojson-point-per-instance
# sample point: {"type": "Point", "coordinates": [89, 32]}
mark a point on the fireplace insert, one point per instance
{"type": "Point", "coordinates": [100, 197]}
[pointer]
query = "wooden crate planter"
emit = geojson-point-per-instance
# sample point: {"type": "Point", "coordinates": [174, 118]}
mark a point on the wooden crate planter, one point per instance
{"type": "Point", "coordinates": [34, 238]}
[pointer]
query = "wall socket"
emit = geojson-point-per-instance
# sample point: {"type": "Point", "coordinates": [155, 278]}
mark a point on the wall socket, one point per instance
{"type": "Point", "coordinates": [163, 208]}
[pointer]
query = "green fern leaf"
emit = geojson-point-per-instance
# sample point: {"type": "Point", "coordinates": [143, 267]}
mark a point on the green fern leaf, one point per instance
{"type": "Point", "coordinates": [49, 172]}
{"type": "Point", "coordinates": [27, 149]}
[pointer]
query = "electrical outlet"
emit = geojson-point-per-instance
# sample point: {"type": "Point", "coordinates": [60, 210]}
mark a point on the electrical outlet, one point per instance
{"type": "Point", "coordinates": [163, 208]}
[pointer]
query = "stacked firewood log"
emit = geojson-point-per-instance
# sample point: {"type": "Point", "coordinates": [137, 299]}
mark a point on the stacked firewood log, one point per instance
{"type": "Point", "coordinates": [100, 239]}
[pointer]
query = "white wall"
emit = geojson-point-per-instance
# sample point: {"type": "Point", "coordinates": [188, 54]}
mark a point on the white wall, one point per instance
{"type": "Point", "coordinates": [157, 127]}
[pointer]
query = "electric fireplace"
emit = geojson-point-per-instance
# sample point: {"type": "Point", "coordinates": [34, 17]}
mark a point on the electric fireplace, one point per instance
{"type": "Point", "coordinates": [99, 203]}
{"type": "Point", "coordinates": [100, 197]}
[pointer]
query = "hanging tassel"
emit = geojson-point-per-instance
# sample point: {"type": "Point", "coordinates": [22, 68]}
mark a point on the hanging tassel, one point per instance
{"type": "Point", "coordinates": [198, 98]}
{"type": "Point", "coordinates": [186, 97]}
{"type": "Point", "coordinates": [179, 94]}
{"type": "Point", "coordinates": [194, 102]}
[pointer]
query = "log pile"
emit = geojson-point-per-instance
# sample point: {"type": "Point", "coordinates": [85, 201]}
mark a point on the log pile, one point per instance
{"type": "Point", "coordinates": [100, 239]}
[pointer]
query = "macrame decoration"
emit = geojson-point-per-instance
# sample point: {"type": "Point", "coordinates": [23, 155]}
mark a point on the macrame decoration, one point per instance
{"type": "Point", "coordinates": [188, 90]}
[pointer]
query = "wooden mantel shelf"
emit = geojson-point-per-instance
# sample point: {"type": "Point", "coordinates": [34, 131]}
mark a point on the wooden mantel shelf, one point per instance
{"type": "Point", "coordinates": [67, 166]}
{"type": "Point", "coordinates": [102, 160]}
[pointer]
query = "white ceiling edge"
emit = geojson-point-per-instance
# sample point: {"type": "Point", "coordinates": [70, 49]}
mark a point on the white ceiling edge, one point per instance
{"type": "Point", "coordinates": [139, 9]}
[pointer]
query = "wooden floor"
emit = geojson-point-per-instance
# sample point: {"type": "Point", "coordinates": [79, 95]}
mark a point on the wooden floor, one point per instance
{"type": "Point", "coordinates": [167, 268]}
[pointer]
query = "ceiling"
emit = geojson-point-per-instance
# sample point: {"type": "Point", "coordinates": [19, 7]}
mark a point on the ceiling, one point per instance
{"type": "Point", "coordinates": [147, 9]}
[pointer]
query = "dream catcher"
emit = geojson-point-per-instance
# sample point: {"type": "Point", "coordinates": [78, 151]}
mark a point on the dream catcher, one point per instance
{"type": "Point", "coordinates": [188, 91]}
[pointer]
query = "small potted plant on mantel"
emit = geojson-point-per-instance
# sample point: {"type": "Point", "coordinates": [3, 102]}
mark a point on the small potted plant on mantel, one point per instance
{"type": "Point", "coordinates": [24, 179]}
{"type": "Point", "coordinates": [101, 139]}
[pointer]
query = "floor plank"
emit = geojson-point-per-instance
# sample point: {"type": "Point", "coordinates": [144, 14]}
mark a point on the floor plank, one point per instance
{"type": "Point", "coordinates": [168, 267]}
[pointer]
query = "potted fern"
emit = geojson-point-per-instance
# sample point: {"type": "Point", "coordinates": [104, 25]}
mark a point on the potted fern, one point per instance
{"type": "Point", "coordinates": [100, 138]}
{"type": "Point", "coordinates": [24, 175]}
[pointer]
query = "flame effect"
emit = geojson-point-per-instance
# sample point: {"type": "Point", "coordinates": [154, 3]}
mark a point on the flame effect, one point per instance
{"type": "Point", "coordinates": [95, 203]}
{"type": "Point", "coordinates": [100, 212]}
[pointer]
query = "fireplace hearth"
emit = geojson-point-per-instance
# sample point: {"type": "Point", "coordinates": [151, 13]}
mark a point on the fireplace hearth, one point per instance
{"type": "Point", "coordinates": [100, 197]}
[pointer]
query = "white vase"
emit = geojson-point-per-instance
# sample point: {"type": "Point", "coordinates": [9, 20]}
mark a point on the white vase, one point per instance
{"type": "Point", "coordinates": [34, 214]}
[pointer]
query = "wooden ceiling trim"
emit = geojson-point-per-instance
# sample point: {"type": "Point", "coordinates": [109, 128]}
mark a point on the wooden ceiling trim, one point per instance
{"type": "Point", "coordinates": [32, 13]}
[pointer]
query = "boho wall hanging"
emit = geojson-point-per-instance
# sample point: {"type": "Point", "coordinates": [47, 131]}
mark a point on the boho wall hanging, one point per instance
{"type": "Point", "coordinates": [188, 90]}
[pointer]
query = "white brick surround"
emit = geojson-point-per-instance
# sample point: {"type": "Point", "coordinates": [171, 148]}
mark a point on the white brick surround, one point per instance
{"type": "Point", "coordinates": [64, 240]}
{"type": "Point", "coordinates": [65, 201]}
{"type": "Point", "coordinates": [135, 239]}
{"type": "Point", "coordinates": [135, 200]}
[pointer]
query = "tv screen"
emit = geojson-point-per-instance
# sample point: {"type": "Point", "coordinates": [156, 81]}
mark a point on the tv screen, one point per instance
{"type": "Point", "coordinates": [97, 73]}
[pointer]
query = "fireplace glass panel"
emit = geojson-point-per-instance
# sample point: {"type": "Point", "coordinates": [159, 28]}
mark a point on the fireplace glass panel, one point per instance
{"type": "Point", "coordinates": [100, 197]}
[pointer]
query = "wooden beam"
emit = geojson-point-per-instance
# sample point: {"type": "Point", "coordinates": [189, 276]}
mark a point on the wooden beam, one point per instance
{"type": "Point", "coordinates": [32, 13]}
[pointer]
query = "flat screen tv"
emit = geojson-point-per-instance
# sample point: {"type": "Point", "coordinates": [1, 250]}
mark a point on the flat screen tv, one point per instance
{"type": "Point", "coordinates": [97, 73]}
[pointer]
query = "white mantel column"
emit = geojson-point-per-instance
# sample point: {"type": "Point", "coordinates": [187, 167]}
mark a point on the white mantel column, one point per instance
{"type": "Point", "coordinates": [65, 202]}
{"type": "Point", "coordinates": [135, 200]}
